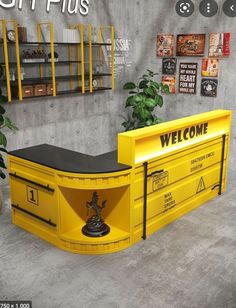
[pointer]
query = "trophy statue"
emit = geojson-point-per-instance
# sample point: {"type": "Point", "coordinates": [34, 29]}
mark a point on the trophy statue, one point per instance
{"type": "Point", "coordinates": [95, 226]}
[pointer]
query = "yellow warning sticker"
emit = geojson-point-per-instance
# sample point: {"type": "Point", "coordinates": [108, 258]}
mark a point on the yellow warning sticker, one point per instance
{"type": "Point", "coordinates": [201, 186]}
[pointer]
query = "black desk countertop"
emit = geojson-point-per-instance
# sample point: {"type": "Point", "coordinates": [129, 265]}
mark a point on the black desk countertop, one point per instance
{"type": "Point", "coordinates": [70, 161]}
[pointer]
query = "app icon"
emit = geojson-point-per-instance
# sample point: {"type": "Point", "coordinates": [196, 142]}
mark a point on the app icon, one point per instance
{"type": "Point", "coordinates": [229, 8]}
{"type": "Point", "coordinates": [208, 8]}
{"type": "Point", "coordinates": [184, 8]}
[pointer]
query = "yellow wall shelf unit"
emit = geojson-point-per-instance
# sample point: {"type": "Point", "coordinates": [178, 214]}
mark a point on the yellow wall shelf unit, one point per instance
{"type": "Point", "coordinates": [96, 73]}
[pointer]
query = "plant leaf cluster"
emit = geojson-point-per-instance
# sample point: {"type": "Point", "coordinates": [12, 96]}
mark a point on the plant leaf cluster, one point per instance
{"type": "Point", "coordinates": [143, 98]}
{"type": "Point", "coordinates": [6, 123]}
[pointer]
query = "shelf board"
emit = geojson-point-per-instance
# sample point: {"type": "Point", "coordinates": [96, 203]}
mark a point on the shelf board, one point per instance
{"type": "Point", "coordinates": [101, 89]}
{"type": "Point", "coordinates": [66, 92]}
{"type": "Point", "coordinates": [29, 81]}
{"type": "Point", "coordinates": [79, 91]}
{"type": "Point", "coordinates": [42, 63]}
{"type": "Point", "coordinates": [55, 43]}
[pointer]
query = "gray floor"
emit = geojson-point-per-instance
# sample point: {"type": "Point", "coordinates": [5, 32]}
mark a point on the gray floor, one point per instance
{"type": "Point", "coordinates": [190, 263]}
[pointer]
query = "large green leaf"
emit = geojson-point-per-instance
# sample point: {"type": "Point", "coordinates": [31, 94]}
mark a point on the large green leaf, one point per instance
{"type": "Point", "coordinates": [150, 103]}
{"type": "Point", "coordinates": [3, 140]}
{"type": "Point", "coordinates": [129, 86]}
{"type": "Point", "coordinates": [155, 84]}
{"type": "Point", "coordinates": [159, 100]}
{"type": "Point", "coordinates": [143, 84]}
{"type": "Point", "coordinates": [145, 115]}
{"type": "Point", "coordinates": [130, 100]}
{"type": "Point", "coordinates": [2, 175]}
{"type": "Point", "coordinates": [9, 124]}
{"type": "Point", "coordinates": [149, 91]}
{"type": "Point", "coordinates": [2, 109]}
{"type": "Point", "coordinates": [139, 98]}
{"type": "Point", "coordinates": [166, 89]}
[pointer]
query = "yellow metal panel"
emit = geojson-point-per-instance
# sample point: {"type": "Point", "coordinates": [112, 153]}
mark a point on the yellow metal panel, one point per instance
{"type": "Point", "coordinates": [179, 166]}
{"type": "Point", "coordinates": [162, 139]}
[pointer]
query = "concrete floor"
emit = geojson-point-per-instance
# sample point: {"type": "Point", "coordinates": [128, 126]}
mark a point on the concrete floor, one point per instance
{"type": "Point", "coordinates": [190, 263]}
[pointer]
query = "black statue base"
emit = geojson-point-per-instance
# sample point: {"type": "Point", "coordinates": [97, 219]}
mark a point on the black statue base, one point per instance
{"type": "Point", "coordinates": [95, 227]}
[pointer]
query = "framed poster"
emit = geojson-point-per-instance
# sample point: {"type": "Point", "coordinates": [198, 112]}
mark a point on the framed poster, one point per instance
{"type": "Point", "coordinates": [189, 45]}
{"type": "Point", "coordinates": [169, 66]}
{"type": "Point", "coordinates": [165, 45]}
{"type": "Point", "coordinates": [210, 67]}
{"type": "Point", "coordinates": [170, 81]}
{"type": "Point", "coordinates": [209, 87]}
{"type": "Point", "coordinates": [188, 78]}
{"type": "Point", "coordinates": [219, 45]}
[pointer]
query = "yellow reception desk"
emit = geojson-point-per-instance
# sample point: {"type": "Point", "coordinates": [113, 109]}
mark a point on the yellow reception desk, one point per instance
{"type": "Point", "coordinates": [158, 174]}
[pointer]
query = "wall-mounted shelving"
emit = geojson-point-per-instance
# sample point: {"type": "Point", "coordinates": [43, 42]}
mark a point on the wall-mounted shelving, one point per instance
{"type": "Point", "coordinates": [82, 67]}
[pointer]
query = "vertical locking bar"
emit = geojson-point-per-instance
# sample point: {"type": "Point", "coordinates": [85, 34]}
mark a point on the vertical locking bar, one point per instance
{"type": "Point", "coordinates": [145, 165]}
{"type": "Point", "coordinates": [222, 164]}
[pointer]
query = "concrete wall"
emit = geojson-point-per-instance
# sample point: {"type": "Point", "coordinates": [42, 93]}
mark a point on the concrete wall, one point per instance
{"type": "Point", "coordinates": [90, 123]}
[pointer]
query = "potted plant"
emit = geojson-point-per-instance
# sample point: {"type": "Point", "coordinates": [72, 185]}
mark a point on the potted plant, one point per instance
{"type": "Point", "coordinates": [5, 123]}
{"type": "Point", "coordinates": [144, 97]}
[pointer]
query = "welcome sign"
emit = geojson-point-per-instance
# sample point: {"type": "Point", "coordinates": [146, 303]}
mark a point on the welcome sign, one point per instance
{"type": "Point", "coordinates": [69, 6]}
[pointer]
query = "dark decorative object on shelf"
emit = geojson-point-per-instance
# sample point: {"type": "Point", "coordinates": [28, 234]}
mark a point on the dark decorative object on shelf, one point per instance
{"type": "Point", "coordinates": [95, 226]}
{"type": "Point", "coordinates": [37, 55]}
{"type": "Point", "coordinates": [22, 34]}
{"type": "Point", "coordinates": [56, 57]}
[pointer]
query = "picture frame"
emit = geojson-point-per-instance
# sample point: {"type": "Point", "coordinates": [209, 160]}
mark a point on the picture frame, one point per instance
{"type": "Point", "coordinates": [190, 45]}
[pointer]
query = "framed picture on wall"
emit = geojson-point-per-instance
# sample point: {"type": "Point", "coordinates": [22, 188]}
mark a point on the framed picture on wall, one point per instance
{"type": "Point", "coordinates": [165, 45]}
{"type": "Point", "coordinates": [209, 87]}
{"type": "Point", "coordinates": [170, 81]}
{"type": "Point", "coordinates": [210, 67]}
{"type": "Point", "coordinates": [219, 45]}
{"type": "Point", "coordinates": [169, 66]}
{"type": "Point", "coordinates": [190, 45]}
{"type": "Point", "coordinates": [188, 78]}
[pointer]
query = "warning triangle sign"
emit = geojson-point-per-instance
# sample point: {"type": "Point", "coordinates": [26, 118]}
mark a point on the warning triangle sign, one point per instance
{"type": "Point", "coordinates": [201, 186]}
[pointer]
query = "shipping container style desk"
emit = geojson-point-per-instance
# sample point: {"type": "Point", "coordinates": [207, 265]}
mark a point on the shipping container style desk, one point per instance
{"type": "Point", "coordinates": [158, 174]}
